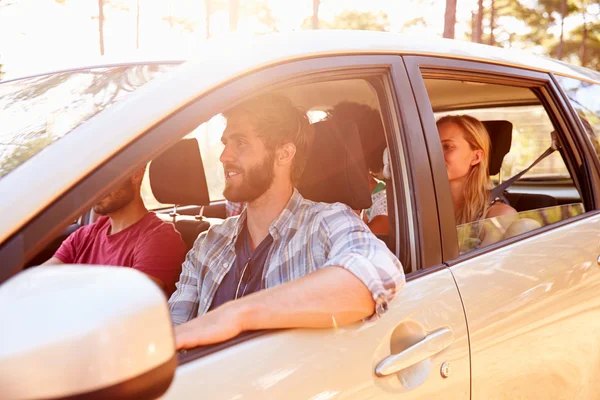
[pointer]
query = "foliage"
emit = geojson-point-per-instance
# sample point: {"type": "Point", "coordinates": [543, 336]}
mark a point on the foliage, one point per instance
{"type": "Point", "coordinates": [366, 21]}
{"type": "Point", "coordinates": [357, 20]}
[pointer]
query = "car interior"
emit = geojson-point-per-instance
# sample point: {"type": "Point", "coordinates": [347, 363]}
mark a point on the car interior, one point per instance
{"type": "Point", "coordinates": [521, 135]}
{"type": "Point", "coordinates": [182, 190]}
{"type": "Point", "coordinates": [185, 182]}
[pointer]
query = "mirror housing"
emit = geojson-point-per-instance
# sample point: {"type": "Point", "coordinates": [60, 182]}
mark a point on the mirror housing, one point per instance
{"type": "Point", "coordinates": [84, 331]}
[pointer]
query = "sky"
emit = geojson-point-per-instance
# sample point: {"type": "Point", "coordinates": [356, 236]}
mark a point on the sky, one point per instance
{"type": "Point", "coordinates": [41, 35]}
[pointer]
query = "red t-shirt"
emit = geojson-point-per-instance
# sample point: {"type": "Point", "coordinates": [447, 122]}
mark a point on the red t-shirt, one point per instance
{"type": "Point", "coordinates": [150, 245]}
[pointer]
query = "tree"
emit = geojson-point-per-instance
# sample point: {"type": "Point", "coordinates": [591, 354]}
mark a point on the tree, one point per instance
{"type": "Point", "coordinates": [491, 39]}
{"type": "Point", "coordinates": [137, 24]}
{"type": "Point", "coordinates": [101, 25]}
{"type": "Point", "coordinates": [478, 25]}
{"type": "Point", "coordinates": [315, 14]}
{"type": "Point", "coordinates": [357, 20]}
{"type": "Point", "coordinates": [450, 19]}
{"type": "Point", "coordinates": [234, 10]}
{"type": "Point", "coordinates": [583, 44]}
{"type": "Point", "coordinates": [208, 13]}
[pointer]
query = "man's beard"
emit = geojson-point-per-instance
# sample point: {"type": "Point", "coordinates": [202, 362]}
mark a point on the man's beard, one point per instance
{"type": "Point", "coordinates": [254, 183]}
{"type": "Point", "coordinates": [116, 199]}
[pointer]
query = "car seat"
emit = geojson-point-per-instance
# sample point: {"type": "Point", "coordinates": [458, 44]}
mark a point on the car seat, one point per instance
{"type": "Point", "coordinates": [177, 177]}
{"type": "Point", "coordinates": [500, 133]}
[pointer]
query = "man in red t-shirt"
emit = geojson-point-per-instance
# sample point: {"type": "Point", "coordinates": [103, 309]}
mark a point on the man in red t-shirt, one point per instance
{"type": "Point", "coordinates": [127, 235]}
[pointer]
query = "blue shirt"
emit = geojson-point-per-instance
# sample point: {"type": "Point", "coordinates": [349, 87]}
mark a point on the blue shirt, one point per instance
{"type": "Point", "coordinates": [245, 276]}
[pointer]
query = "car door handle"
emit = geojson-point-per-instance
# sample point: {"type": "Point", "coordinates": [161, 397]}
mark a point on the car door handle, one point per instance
{"type": "Point", "coordinates": [428, 347]}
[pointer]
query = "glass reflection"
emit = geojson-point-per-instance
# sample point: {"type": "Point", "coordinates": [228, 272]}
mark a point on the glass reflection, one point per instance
{"type": "Point", "coordinates": [585, 98]}
{"type": "Point", "coordinates": [485, 232]}
{"type": "Point", "coordinates": [39, 110]}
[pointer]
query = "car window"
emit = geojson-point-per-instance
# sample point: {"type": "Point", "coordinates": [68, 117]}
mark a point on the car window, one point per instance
{"type": "Point", "coordinates": [492, 230]}
{"type": "Point", "coordinates": [585, 98]}
{"type": "Point", "coordinates": [351, 99]}
{"type": "Point", "coordinates": [530, 137]}
{"type": "Point", "coordinates": [544, 195]}
{"type": "Point", "coordinates": [39, 110]}
{"type": "Point", "coordinates": [208, 136]}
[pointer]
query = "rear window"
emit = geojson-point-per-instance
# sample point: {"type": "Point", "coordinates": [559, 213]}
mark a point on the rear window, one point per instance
{"type": "Point", "coordinates": [39, 110]}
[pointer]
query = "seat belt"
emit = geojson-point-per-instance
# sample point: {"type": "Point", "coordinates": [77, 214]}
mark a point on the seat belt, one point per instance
{"type": "Point", "coordinates": [499, 190]}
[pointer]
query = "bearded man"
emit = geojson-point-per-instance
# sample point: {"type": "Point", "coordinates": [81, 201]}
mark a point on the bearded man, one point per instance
{"type": "Point", "coordinates": [127, 235]}
{"type": "Point", "coordinates": [284, 262]}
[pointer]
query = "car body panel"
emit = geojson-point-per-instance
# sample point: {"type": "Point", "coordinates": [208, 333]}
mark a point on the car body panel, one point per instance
{"type": "Point", "coordinates": [533, 312]}
{"type": "Point", "coordinates": [340, 363]}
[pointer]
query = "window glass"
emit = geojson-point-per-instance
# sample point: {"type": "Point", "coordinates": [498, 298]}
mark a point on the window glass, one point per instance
{"type": "Point", "coordinates": [37, 111]}
{"type": "Point", "coordinates": [491, 230]}
{"type": "Point", "coordinates": [585, 98]}
{"type": "Point", "coordinates": [208, 136]}
{"type": "Point", "coordinates": [530, 138]}
{"type": "Point", "coordinates": [537, 200]}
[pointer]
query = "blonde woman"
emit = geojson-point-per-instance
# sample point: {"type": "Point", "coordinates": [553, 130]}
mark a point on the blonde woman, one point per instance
{"type": "Point", "coordinates": [466, 146]}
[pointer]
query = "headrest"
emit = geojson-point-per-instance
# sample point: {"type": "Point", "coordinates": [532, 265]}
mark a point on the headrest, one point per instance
{"type": "Point", "coordinates": [336, 170]}
{"type": "Point", "coordinates": [177, 175]}
{"type": "Point", "coordinates": [500, 139]}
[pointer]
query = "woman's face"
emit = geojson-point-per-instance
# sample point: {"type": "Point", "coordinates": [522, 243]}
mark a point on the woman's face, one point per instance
{"type": "Point", "coordinates": [458, 154]}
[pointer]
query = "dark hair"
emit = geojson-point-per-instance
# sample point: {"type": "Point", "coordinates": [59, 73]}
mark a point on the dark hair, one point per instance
{"type": "Point", "coordinates": [278, 121]}
{"type": "Point", "coordinates": [370, 129]}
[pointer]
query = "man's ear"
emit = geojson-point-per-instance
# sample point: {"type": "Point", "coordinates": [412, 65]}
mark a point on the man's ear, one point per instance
{"type": "Point", "coordinates": [477, 157]}
{"type": "Point", "coordinates": [285, 154]}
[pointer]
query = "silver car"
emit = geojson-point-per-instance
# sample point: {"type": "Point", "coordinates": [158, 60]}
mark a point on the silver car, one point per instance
{"type": "Point", "coordinates": [518, 317]}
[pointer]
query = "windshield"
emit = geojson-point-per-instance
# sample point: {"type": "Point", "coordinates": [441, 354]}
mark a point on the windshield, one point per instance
{"type": "Point", "coordinates": [39, 110]}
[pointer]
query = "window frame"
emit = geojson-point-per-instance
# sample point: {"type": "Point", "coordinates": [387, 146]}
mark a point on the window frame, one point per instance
{"type": "Point", "coordinates": [561, 116]}
{"type": "Point", "coordinates": [578, 128]}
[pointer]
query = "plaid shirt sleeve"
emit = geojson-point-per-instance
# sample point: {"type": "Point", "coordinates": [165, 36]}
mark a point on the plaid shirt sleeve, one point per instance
{"type": "Point", "coordinates": [184, 302]}
{"type": "Point", "coordinates": [351, 245]}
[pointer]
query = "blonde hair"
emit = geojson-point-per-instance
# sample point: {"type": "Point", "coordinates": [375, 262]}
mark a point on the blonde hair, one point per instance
{"type": "Point", "coordinates": [476, 190]}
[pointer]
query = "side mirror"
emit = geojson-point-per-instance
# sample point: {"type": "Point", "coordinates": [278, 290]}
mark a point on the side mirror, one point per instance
{"type": "Point", "coordinates": [84, 331]}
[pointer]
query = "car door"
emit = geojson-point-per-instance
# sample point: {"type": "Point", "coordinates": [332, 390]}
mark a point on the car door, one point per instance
{"type": "Point", "coordinates": [424, 326]}
{"type": "Point", "coordinates": [531, 301]}
{"type": "Point", "coordinates": [419, 348]}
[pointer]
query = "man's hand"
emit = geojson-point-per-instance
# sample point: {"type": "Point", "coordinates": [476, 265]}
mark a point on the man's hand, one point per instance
{"type": "Point", "coordinates": [214, 327]}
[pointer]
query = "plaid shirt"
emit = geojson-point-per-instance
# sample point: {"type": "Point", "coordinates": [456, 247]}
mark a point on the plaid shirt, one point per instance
{"type": "Point", "coordinates": [233, 209]}
{"type": "Point", "coordinates": [307, 236]}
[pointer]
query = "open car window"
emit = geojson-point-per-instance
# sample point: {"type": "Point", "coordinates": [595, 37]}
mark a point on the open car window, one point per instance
{"type": "Point", "coordinates": [521, 133]}
{"type": "Point", "coordinates": [530, 137]}
{"type": "Point", "coordinates": [37, 111]}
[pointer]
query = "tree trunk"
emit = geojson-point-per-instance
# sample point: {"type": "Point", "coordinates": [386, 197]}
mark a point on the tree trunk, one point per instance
{"type": "Point", "coordinates": [479, 23]}
{"type": "Point", "coordinates": [137, 25]}
{"type": "Point", "coordinates": [315, 15]}
{"type": "Point", "coordinates": [584, 38]}
{"type": "Point", "coordinates": [208, 12]}
{"type": "Point", "coordinates": [450, 19]}
{"type": "Point", "coordinates": [563, 13]}
{"type": "Point", "coordinates": [491, 39]}
{"type": "Point", "coordinates": [234, 9]}
{"type": "Point", "coordinates": [101, 25]}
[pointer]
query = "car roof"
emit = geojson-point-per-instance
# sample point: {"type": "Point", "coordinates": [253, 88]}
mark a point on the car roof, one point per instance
{"type": "Point", "coordinates": [312, 43]}
{"type": "Point", "coordinates": [344, 42]}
